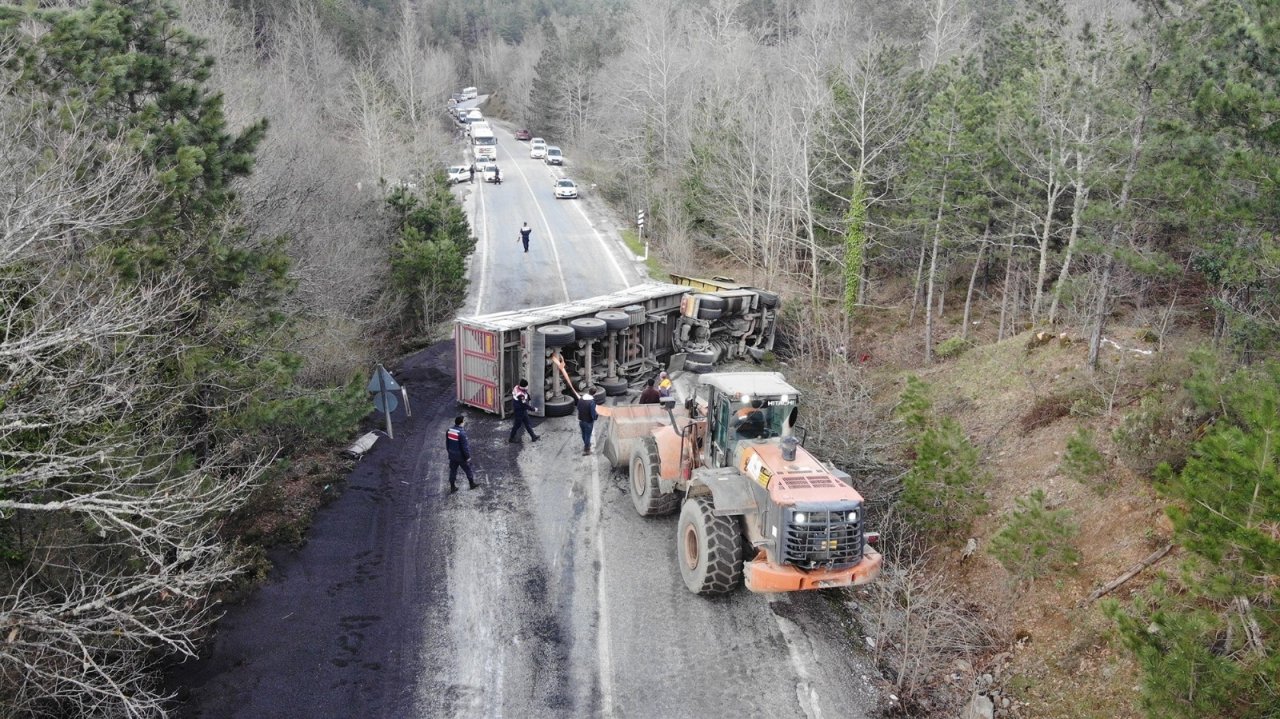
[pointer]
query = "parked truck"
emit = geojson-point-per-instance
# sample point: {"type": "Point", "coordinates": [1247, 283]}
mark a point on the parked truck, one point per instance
{"type": "Point", "coordinates": [609, 344]}
{"type": "Point", "coordinates": [755, 506]}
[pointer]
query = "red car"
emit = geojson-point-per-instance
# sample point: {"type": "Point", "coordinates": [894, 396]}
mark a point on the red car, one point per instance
{"type": "Point", "coordinates": [524, 135]}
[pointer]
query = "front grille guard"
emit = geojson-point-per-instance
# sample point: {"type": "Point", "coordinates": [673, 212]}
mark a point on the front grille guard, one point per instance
{"type": "Point", "coordinates": [830, 537]}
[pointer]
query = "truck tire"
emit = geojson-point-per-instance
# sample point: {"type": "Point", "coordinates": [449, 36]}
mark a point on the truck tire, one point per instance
{"type": "Point", "coordinates": [768, 299]}
{"type": "Point", "coordinates": [589, 328]}
{"type": "Point", "coordinates": [614, 387]}
{"type": "Point", "coordinates": [646, 495]}
{"type": "Point", "coordinates": [697, 367]}
{"type": "Point", "coordinates": [710, 307]}
{"type": "Point", "coordinates": [614, 319]}
{"type": "Point", "coordinates": [703, 357]}
{"type": "Point", "coordinates": [557, 335]}
{"type": "Point", "coordinates": [561, 406]}
{"type": "Point", "coordinates": [708, 549]}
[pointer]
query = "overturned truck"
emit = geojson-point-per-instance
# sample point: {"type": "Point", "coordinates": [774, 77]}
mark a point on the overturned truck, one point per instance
{"type": "Point", "coordinates": [608, 344]}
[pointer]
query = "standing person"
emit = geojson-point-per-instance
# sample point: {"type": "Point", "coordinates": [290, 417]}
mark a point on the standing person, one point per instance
{"type": "Point", "coordinates": [664, 385]}
{"type": "Point", "coordinates": [525, 231]}
{"type": "Point", "coordinates": [497, 175]}
{"type": "Point", "coordinates": [650, 394]}
{"type": "Point", "coordinates": [455, 442]}
{"type": "Point", "coordinates": [472, 170]}
{"type": "Point", "coordinates": [520, 406]}
{"type": "Point", "coordinates": [587, 417]}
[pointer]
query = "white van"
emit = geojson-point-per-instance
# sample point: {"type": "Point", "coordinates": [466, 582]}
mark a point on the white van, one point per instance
{"type": "Point", "coordinates": [474, 116]}
{"type": "Point", "coordinates": [470, 93]}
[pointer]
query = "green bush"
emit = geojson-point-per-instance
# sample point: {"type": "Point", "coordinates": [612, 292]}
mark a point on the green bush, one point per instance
{"type": "Point", "coordinates": [1035, 540]}
{"type": "Point", "coordinates": [1157, 432]}
{"type": "Point", "coordinates": [953, 347]}
{"type": "Point", "coordinates": [1082, 460]}
{"type": "Point", "coordinates": [942, 492]}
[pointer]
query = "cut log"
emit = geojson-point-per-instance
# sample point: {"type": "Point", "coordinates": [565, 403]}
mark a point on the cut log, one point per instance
{"type": "Point", "coordinates": [1133, 571]}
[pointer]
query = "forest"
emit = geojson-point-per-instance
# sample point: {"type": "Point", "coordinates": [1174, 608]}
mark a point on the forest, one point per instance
{"type": "Point", "coordinates": [217, 215]}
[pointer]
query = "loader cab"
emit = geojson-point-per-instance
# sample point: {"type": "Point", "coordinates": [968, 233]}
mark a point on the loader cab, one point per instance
{"type": "Point", "coordinates": [737, 414]}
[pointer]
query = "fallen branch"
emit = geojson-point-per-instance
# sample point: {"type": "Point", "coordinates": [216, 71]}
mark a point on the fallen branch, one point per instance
{"type": "Point", "coordinates": [1133, 571]}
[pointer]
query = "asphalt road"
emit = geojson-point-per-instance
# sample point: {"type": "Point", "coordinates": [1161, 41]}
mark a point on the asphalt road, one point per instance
{"type": "Point", "coordinates": [541, 594]}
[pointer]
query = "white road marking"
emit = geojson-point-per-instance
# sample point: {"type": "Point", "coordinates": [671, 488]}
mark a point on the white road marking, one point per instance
{"type": "Point", "coordinates": [806, 691]}
{"type": "Point", "coordinates": [604, 246]}
{"type": "Point", "coordinates": [604, 655]}
{"type": "Point", "coordinates": [555, 254]}
{"type": "Point", "coordinates": [483, 259]}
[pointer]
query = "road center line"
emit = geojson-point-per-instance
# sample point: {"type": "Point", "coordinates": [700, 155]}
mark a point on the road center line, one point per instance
{"type": "Point", "coordinates": [604, 655]}
{"type": "Point", "coordinates": [555, 254]}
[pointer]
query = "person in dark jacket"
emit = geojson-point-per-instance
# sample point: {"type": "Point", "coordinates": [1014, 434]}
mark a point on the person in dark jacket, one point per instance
{"type": "Point", "coordinates": [520, 408]}
{"type": "Point", "coordinates": [650, 395]}
{"type": "Point", "coordinates": [525, 231]}
{"type": "Point", "coordinates": [587, 417]}
{"type": "Point", "coordinates": [455, 442]}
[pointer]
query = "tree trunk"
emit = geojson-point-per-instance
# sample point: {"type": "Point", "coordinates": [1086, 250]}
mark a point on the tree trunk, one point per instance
{"type": "Point", "coordinates": [1122, 205]}
{"type": "Point", "coordinates": [1082, 195]}
{"type": "Point", "coordinates": [973, 279]}
{"type": "Point", "coordinates": [915, 295]}
{"type": "Point", "coordinates": [1004, 294]}
{"type": "Point", "coordinates": [933, 270]}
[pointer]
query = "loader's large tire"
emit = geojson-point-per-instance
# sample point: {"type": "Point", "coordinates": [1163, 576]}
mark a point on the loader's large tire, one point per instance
{"type": "Point", "coordinates": [646, 495]}
{"type": "Point", "coordinates": [708, 549]}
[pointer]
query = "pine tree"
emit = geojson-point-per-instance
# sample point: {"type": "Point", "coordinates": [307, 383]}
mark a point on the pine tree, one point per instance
{"type": "Point", "coordinates": [1035, 540]}
{"type": "Point", "coordinates": [855, 240]}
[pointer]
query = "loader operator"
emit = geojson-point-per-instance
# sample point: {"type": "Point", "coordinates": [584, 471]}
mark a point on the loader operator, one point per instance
{"type": "Point", "coordinates": [749, 421]}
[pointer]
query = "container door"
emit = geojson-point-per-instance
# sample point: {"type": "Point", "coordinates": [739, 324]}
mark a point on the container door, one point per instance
{"type": "Point", "coordinates": [477, 369]}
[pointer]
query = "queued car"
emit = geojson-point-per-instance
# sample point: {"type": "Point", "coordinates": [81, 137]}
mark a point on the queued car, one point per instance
{"type": "Point", "coordinates": [566, 189]}
{"type": "Point", "coordinates": [524, 135]}
{"type": "Point", "coordinates": [537, 148]}
{"type": "Point", "coordinates": [554, 156]}
{"type": "Point", "coordinates": [458, 173]}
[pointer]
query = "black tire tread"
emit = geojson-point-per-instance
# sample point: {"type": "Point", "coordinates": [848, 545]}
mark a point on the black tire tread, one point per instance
{"type": "Point", "coordinates": [556, 335]}
{"type": "Point", "coordinates": [559, 409]}
{"type": "Point", "coordinates": [652, 503]}
{"type": "Point", "coordinates": [724, 552]}
{"type": "Point", "coordinates": [589, 327]}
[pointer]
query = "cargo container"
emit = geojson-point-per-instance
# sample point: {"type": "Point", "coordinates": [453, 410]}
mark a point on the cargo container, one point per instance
{"type": "Point", "coordinates": [608, 344]}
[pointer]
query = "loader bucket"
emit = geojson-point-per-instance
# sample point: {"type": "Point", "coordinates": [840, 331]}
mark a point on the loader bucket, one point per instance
{"type": "Point", "coordinates": [627, 425]}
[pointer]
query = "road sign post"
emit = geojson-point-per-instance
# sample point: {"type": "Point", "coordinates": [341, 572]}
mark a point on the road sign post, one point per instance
{"type": "Point", "coordinates": [640, 224]}
{"type": "Point", "coordinates": [384, 389]}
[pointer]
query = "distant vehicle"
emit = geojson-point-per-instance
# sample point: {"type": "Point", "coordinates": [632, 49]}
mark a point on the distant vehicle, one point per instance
{"type": "Point", "coordinates": [566, 189]}
{"type": "Point", "coordinates": [484, 146]}
{"type": "Point", "coordinates": [456, 97]}
{"type": "Point", "coordinates": [554, 156]}
{"type": "Point", "coordinates": [537, 148]}
{"type": "Point", "coordinates": [470, 93]}
{"type": "Point", "coordinates": [460, 113]}
{"type": "Point", "coordinates": [488, 173]}
{"type": "Point", "coordinates": [523, 135]}
{"type": "Point", "coordinates": [458, 173]}
{"type": "Point", "coordinates": [474, 115]}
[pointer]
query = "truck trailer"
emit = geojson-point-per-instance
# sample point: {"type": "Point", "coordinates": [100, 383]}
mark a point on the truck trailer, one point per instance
{"type": "Point", "coordinates": [609, 344]}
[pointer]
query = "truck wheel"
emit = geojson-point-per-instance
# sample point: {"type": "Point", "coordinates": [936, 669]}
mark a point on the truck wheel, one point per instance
{"type": "Point", "coordinates": [589, 328]}
{"type": "Point", "coordinates": [708, 549]}
{"type": "Point", "coordinates": [561, 406]}
{"type": "Point", "coordinates": [703, 357]}
{"type": "Point", "coordinates": [614, 319]}
{"type": "Point", "coordinates": [697, 367]}
{"type": "Point", "coordinates": [557, 335]}
{"type": "Point", "coordinates": [646, 495]}
{"type": "Point", "coordinates": [768, 299]}
{"type": "Point", "coordinates": [614, 387]}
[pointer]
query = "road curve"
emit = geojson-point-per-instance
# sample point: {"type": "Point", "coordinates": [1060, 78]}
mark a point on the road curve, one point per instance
{"type": "Point", "coordinates": [541, 594]}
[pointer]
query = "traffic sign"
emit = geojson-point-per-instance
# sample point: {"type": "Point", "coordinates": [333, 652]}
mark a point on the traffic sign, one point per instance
{"type": "Point", "coordinates": [382, 381]}
{"type": "Point", "coordinates": [385, 402]}
{"type": "Point", "coordinates": [640, 218]}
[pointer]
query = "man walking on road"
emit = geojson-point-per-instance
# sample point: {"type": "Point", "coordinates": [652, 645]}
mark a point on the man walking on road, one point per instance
{"type": "Point", "coordinates": [587, 417]}
{"type": "Point", "coordinates": [455, 442]}
{"type": "Point", "coordinates": [525, 231]}
{"type": "Point", "coordinates": [520, 406]}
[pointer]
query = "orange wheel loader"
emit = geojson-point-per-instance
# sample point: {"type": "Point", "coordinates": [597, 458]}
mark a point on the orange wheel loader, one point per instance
{"type": "Point", "coordinates": [754, 505]}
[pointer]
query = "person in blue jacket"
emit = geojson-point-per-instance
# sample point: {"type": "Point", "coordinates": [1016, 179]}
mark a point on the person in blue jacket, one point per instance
{"type": "Point", "coordinates": [587, 416]}
{"type": "Point", "coordinates": [455, 442]}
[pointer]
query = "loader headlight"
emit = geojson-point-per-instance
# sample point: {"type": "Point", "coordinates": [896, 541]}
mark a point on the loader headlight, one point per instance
{"type": "Point", "coordinates": [799, 517]}
{"type": "Point", "coordinates": [853, 516]}
{"type": "Point", "coordinates": [745, 399]}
